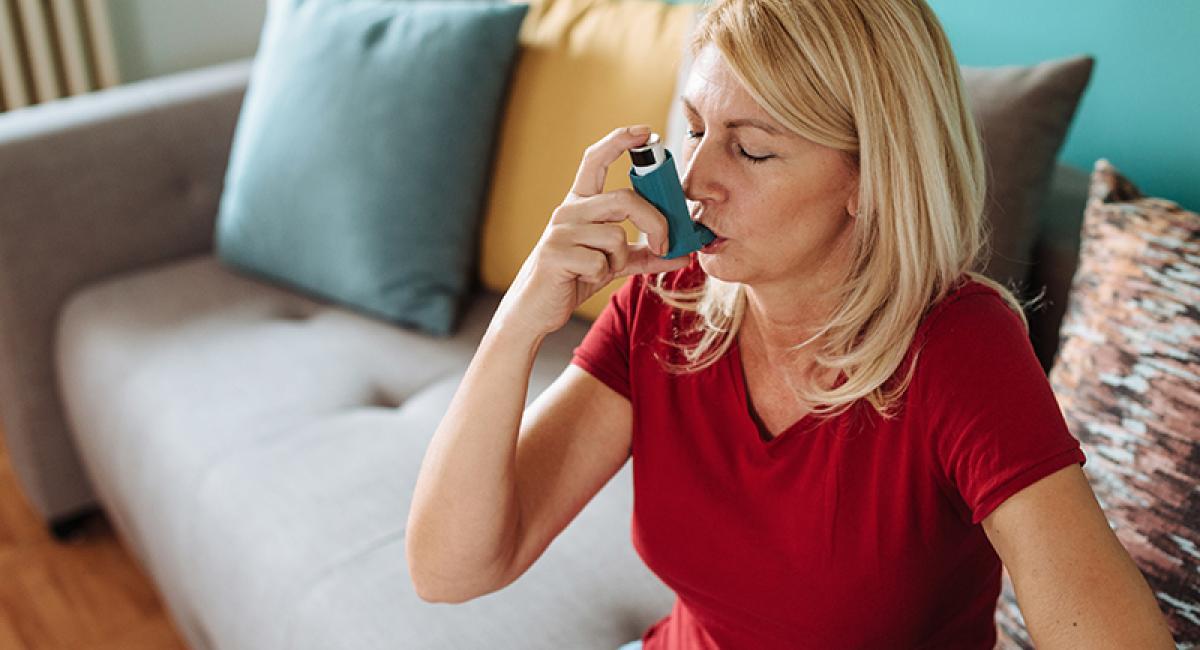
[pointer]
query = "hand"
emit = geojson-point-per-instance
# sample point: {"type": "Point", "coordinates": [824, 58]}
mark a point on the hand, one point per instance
{"type": "Point", "coordinates": [584, 247]}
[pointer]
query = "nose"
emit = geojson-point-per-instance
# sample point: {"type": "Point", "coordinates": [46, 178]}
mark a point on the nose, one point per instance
{"type": "Point", "coordinates": [698, 184]}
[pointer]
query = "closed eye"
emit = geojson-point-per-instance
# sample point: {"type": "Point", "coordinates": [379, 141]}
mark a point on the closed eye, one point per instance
{"type": "Point", "coordinates": [696, 135]}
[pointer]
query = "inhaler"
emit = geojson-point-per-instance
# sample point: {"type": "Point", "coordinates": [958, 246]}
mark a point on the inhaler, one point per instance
{"type": "Point", "coordinates": [654, 177]}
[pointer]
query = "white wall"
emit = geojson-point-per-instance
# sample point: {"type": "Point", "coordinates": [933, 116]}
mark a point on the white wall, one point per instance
{"type": "Point", "coordinates": [157, 37]}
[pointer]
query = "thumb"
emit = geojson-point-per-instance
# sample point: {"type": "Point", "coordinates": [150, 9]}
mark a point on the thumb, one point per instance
{"type": "Point", "coordinates": [644, 260]}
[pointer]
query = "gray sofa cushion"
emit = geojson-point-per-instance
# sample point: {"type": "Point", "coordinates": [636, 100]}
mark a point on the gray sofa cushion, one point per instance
{"type": "Point", "coordinates": [256, 449]}
{"type": "Point", "coordinates": [1023, 114]}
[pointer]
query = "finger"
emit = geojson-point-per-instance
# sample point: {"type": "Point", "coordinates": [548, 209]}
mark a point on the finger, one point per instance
{"type": "Point", "coordinates": [587, 264]}
{"type": "Point", "coordinates": [589, 180]}
{"type": "Point", "coordinates": [608, 238]}
{"type": "Point", "coordinates": [643, 260]}
{"type": "Point", "coordinates": [618, 205]}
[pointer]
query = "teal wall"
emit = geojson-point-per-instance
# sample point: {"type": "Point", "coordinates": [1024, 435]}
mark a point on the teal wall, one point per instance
{"type": "Point", "coordinates": [1142, 108]}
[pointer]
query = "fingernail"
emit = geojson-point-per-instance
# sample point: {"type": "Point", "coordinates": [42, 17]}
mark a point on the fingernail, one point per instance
{"type": "Point", "coordinates": [639, 130]}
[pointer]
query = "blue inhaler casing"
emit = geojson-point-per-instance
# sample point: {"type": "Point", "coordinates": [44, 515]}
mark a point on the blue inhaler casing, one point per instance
{"type": "Point", "coordinates": [654, 177]}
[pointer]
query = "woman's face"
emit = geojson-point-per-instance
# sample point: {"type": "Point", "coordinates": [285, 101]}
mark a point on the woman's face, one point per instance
{"type": "Point", "coordinates": [782, 215]}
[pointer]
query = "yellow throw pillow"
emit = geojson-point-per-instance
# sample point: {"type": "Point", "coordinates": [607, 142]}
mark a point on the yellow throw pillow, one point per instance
{"type": "Point", "coordinates": [584, 67]}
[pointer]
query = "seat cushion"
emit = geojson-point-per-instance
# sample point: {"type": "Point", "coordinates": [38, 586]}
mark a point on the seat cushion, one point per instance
{"type": "Point", "coordinates": [316, 546]}
{"type": "Point", "coordinates": [249, 442]}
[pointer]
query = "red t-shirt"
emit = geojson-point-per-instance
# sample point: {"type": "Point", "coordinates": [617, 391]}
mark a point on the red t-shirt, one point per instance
{"type": "Point", "coordinates": [854, 532]}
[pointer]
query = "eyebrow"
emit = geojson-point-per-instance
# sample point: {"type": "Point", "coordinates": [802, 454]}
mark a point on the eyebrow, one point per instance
{"type": "Point", "coordinates": [733, 124]}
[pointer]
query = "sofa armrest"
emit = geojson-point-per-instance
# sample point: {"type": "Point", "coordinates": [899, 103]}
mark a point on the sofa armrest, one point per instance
{"type": "Point", "coordinates": [93, 186]}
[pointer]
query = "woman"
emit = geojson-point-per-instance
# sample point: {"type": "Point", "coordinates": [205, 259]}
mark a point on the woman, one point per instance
{"type": "Point", "coordinates": [838, 430]}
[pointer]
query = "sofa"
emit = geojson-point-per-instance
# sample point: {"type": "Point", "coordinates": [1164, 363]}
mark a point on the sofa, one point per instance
{"type": "Point", "coordinates": [256, 447]}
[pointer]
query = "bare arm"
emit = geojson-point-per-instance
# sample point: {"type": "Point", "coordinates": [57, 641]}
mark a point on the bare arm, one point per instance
{"type": "Point", "coordinates": [466, 526]}
{"type": "Point", "coordinates": [1076, 585]}
{"type": "Point", "coordinates": [464, 518]}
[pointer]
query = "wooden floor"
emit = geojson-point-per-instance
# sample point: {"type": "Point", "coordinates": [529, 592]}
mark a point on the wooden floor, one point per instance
{"type": "Point", "coordinates": [84, 594]}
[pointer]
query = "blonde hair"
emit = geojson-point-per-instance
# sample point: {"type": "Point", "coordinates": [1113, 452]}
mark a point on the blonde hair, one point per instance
{"type": "Point", "coordinates": [875, 79]}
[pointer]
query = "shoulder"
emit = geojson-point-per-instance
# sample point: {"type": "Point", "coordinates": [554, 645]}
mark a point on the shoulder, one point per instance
{"type": "Point", "coordinates": [970, 313]}
{"type": "Point", "coordinates": [972, 336]}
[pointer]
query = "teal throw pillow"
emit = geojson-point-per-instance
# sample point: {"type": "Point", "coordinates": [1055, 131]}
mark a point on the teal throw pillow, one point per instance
{"type": "Point", "coordinates": [363, 152]}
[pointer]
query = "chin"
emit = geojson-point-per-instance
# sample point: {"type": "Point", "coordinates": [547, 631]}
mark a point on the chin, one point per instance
{"type": "Point", "coordinates": [721, 267]}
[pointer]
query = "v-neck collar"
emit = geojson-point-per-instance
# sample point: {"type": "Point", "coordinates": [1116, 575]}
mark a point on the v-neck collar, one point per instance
{"type": "Point", "coordinates": [797, 429]}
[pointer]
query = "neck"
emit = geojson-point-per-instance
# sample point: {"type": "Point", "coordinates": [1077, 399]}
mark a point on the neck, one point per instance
{"type": "Point", "coordinates": [781, 320]}
{"type": "Point", "coordinates": [784, 314]}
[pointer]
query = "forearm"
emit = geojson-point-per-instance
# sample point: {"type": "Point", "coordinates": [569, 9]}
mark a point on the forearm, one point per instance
{"type": "Point", "coordinates": [464, 521]}
{"type": "Point", "coordinates": [1092, 597]}
{"type": "Point", "coordinates": [1120, 611]}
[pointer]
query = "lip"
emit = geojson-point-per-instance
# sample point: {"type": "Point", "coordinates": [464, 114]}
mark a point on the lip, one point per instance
{"type": "Point", "coordinates": [715, 246]}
